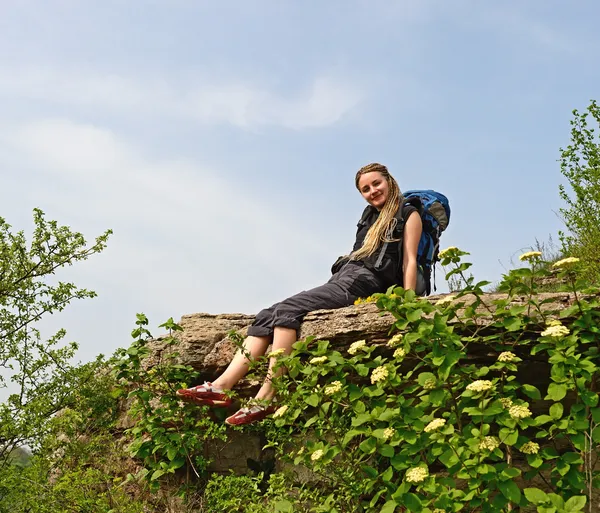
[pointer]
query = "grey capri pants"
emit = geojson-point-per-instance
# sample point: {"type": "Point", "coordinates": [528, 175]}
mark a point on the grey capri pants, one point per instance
{"type": "Point", "coordinates": [343, 288]}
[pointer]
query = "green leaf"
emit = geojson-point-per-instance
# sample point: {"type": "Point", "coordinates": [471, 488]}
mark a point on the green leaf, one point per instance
{"type": "Point", "coordinates": [589, 398]}
{"type": "Point", "coordinates": [512, 323]}
{"type": "Point", "coordinates": [387, 451]}
{"type": "Point", "coordinates": [284, 506]}
{"type": "Point", "coordinates": [572, 458]}
{"type": "Point", "coordinates": [510, 490]}
{"type": "Point", "coordinates": [531, 391]}
{"type": "Point", "coordinates": [556, 411]}
{"type": "Point", "coordinates": [437, 396]}
{"type": "Point", "coordinates": [509, 436]}
{"type": "Point", "coordinates": [412, 502]}
{"type": "Point", "coordinates": [312, 400]}
{"type": "Point", "coordinates": [510, 473]}
{"type": "Point", "coordinates": [575, 503]}
{"type": "Point", "coordinates": [535, 495]}
{"type": "Point", "coordinates": [424, 377]}
{"type": "Point", "coordinates": [157, 473]}
{"type": "Point", "coordinates": [359, 420]}
{"type": "Point", "coordinates": [388, 474]}
{"type": "Point", "coordinates": [596, 434]}
{"type": "Point", "coordinates": [556, 391]}
{"type": "Point", "coordinates": [368, 446]}
{"type": "Point", "coordinates": [370, 471]}
{"type": "Point", "coordinates": [388, 507]}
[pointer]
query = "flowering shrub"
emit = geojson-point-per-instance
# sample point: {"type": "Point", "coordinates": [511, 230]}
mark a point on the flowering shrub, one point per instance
{"type": "Point", "coordinates": [418, 424]}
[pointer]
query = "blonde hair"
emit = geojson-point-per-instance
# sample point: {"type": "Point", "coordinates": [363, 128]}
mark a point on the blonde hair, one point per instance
{"type": "Point", "coordinates": [382, 229]}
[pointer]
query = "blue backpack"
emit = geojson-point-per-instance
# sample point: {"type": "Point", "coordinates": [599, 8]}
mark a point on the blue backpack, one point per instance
{"type": "Point", "coordinates": [435, 215]}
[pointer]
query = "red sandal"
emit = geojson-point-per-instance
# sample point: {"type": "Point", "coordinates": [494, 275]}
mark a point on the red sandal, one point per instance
{"type": "Point", "coordinates": [250, 414]}
{"type": "Point", "coordinates": [205, 394]}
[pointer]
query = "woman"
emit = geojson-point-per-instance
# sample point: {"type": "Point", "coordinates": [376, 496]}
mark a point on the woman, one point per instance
{"type": "Point", "coordinates": [378, 260]}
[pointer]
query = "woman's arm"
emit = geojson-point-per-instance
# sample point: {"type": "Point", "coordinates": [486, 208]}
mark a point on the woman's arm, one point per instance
{"type": "Point", "coordinates": [410, 243]}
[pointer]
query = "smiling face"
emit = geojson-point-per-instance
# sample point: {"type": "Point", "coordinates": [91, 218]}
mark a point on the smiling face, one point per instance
{"type": "Point", "coordinates": [374, 188]}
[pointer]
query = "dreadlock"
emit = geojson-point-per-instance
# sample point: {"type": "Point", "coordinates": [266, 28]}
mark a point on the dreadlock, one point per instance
{"type": "Point", "coordinates": [382, 229]}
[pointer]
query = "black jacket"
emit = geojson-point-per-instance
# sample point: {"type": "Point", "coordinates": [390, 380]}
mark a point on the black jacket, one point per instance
{"type": "Point", "coordinates": [386, 262]}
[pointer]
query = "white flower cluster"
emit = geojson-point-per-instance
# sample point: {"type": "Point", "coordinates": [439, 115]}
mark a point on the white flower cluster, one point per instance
{"type": "Point", "coordinates": [530, 255]}
{"type": "Point", "coordinates": [489, 443]}
{"type": "Point", "coordinates": [480, 385]}
{"type": "Point", "coordinates": [333, 388]}
{"type": "Point", "coordinates": [434, 424]}
{"type": "Point", "coordinates": [280, 411]}
{"type": "Point", "coordinates": [318, 359]}
{"type": "Point", "coordinates": [379, 374]}
{"type": "Point", "coordinates": [519, 412]}
{"type": "Point", "coordinates": [445, 300]}
{"type": "Point", "coordinates": [317, 455]}
{"type": "Point", "coordinates": [447, 251]}
{"type": "Point", "coordinates": [530, 448]}
{"type": "Point", "coordinates": [356, 346]}
{"type": "Point", "coordinates": [506, 356]}
{"type": "Point", "coordinates": [565, 262]}
{"type": "Point", "coordinates": [395, 340]}
{"type": "Point", "coordinates": [399, 353]}
{"type": "Point", "coordinates": [556, 330]}
{"type": "Point", "coordinates": [416, 474]}
{"type": "Point", "coordinates": [506, 402]}
{"type": "Point", "coordinates": [388, 433]}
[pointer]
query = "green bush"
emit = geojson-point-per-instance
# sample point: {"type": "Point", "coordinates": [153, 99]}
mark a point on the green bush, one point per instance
{"type": "Point", "coordinates": [421, 425]}
{"type": "Point", "coordinates": [580, 165]}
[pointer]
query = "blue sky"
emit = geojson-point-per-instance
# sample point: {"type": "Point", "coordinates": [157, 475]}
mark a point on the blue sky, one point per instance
{"type": "Point", "coordinates": [219, 140]}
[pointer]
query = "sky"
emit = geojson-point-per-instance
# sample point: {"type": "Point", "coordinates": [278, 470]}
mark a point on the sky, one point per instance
{"type": "Point", "coordinates": [219, 140]}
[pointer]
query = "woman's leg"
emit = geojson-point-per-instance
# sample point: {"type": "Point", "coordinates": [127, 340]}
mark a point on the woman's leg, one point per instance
{"type": "Point", "coordinates": [238, 367]}
{"type": "Point", "coordinates": [283, 338]}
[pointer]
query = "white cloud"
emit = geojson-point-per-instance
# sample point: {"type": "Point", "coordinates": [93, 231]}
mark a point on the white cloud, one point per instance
{"type": "Point", "coordinates": [204, 100]}
{"type": "Point", "coordinates": [186, 238]}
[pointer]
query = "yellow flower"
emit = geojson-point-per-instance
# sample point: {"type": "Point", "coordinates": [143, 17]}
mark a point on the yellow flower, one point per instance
{"type": "Point", "coordinates": [519, 412]}
{"type": "Point", "coordinates": [318, 359]}
{"type": "Point", "coordinates": [530, 255]}
{"type": "Point", "coordinates": [276, 353]}
{"type": "Point", "coordinates": [489, 443]}
{"type": "Point", "coordinates": [480, 385]}
{"type": "Point", "coordinates": [434, 424]}
{"type": "Point", "coordinates": [530, 448]}
{"type": "Point", "coordinates": [356, 346]}
{"type": "Point", "coordinates": [506, 356]}
{"type": "Point", "coordinates": [395, 340]}
{"type": "Point", "coordinates": [379, 374]}
{"type": "Point", "coordinates": [445, 300]}
{"type": "Point", "coordinates": [506, 402]}
{"type": "Point", "coordinates": [388, 433]}
{"type": "Point", "coordinates": [333, 388]}
{"type": "Point", "coordinates": [554, 322]}
{"type": "Point", "coordinates": [399, 353]}
{"type": "Point", "coordinates": [416, 474]}
{"type": "Point", "coordinates": [565, 262]}
{"type": "Point", "coordinates": [558, 330]}
{"type": "Point", "coordinates": [317, 455]}
{"type": "Point", "coordinates": [280, 411]}
{"type": "Point", "coordinates": [449, 249]}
